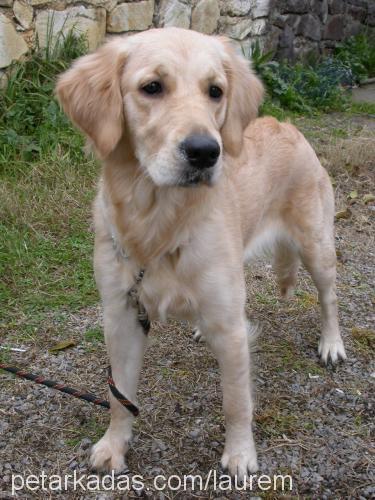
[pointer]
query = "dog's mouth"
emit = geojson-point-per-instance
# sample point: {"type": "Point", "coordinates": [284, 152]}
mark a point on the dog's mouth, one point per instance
{"type": "Point", "coordinates": [195, 177]}
{"type": "Point", "coordinates": [199, 155]}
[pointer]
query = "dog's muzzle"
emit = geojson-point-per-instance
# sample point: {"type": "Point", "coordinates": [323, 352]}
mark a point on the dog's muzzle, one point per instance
{"type": "Point", "coordinates": [201, 153]}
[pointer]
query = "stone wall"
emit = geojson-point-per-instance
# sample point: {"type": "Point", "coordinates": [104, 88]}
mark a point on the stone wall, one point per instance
{"type": "Point", "coordinates": [290, 28]}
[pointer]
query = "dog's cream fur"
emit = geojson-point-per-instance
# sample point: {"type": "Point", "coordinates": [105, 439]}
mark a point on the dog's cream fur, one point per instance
{"type": "Point", "coordinates": [267, 187]}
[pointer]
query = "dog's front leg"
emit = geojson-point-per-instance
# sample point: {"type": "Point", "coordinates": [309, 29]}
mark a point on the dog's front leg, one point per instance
{"type": "Point", "coordinates": [125, 341]}
{"type": "Point", "coordinates": [230, 345]}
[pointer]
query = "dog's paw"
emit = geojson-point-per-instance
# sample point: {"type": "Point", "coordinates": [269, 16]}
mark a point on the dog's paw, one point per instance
{"type": "Point", "coordinates": [108, 454]}
{"type": "Point", "coordinates": [331, 349]}
{"type": "Point", "coordinates": [240, 463]}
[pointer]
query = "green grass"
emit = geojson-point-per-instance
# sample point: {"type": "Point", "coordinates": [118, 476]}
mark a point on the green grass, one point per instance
{"type": "Point", "coordinates": [274, 422]}
{"type": "Point", "coordinates": [364, 340]}
{"type": "Point", "coordinates": [46, 188]}
{"type": "Point", "coordinates": [272, 108]}
{"type": "Point", "coordinates": [287, 357]}
{"type": "Point", "coordinates": [89, 429]}
{"type": "Point", "coordinates": [94, 335]}
{"type": "Point", "coordinates": [362, 108]}
{"type": "Point", "coordinates": [5, 355]}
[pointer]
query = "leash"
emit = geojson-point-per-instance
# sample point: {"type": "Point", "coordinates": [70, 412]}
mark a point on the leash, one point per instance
{"type": "Point", "coordinates": [142, 316]}
{"type": "Point", "coordinates": [39, 379]}
{"type": "Point", "coordinates": [84, 395]}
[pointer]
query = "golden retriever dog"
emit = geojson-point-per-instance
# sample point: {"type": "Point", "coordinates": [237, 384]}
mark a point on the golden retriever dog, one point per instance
{"type": "Point", "coordinates": [192, 185]}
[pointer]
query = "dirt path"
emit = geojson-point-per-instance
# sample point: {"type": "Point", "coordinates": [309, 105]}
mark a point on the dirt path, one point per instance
{"type": "Point", "coordinates": [312, 423]}
{"type": "Point", "coordinates": [365, 93]}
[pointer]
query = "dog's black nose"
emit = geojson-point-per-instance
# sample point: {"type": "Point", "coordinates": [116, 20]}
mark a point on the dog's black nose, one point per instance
{"type": "Point", "coordinates": [201, 151]}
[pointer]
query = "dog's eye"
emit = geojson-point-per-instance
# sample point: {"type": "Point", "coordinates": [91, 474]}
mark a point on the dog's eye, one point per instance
{"type": "Point", "coordinates": [152, 88]}
{"type": "Point", "coordinates": [215, 92]}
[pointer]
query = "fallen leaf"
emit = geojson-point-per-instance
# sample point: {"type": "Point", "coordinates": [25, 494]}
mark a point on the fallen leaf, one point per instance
{"type": "Point", "coordinates": [353, 194]}
{"type": "Point", "coordinates": [343, 214]}
{"type": "Point", "coordinates": [60, 346]}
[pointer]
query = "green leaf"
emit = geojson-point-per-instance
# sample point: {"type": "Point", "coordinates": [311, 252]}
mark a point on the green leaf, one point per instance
{"type": "Point", "coordinates": [65, 344]}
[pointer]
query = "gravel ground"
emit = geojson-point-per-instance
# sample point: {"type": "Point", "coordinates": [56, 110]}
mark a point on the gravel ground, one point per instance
{"type": "Point", "coordinates": [313, 423]}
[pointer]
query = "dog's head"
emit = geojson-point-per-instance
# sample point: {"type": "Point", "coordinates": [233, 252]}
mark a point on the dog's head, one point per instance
{"type": "Point", "coordinates": [184, 99]}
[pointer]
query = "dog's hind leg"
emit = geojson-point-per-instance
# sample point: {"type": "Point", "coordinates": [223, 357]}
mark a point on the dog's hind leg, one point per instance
{"type": "Point", "coordinates": [313, 232]}
{"type": "Point", "coordinates": [125, 342]}
{"type": "Point", "coordinates": [319, 258]}
{"type": "Point", "coordinates": [286, 263]}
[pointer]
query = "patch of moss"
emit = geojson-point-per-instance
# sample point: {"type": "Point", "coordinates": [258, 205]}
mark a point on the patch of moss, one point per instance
{"type": "Point", "coordinates": [364, 339]}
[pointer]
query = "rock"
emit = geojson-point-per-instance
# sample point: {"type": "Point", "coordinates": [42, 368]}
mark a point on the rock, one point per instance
{"type": "Point", "coordinates": [158, 445]}
{"type": "Point", "coordinates": [371, 15]}
{"type": "Point", "coordinates": [369, 492]}
{"type": "Point", "coordinates": [82, 20]}
{"type": "Point", "coordinates": [23, 13]}
{"type": "Point", "coordinates": [258, 27]}
{"type": "Point", "coordinates": [131, 17]}
{"type": "Point", "coordinates": [271, 41]}
{"type": "Point", "coordinates": [260, 8]}
{"type": "Point", "coordinates": [336, 7]}
{"type": "Point", "coordinates": [302, 47]}
{"type": "Point", "coordinates": [12, 45]}
{"type": "Point", "coordinates": [334, 30]}
{"type": "Point", "coordinates": [309, 27]}
{"type": "Point", "coordinates": [239, 29]}
{"type": "Point", "coordinates": [323, 11]}
{"type": "Point", "coordinates": [280, 20]}
{"type": "Point", "coordinates": [176, 14]}
{"type": "Point", "coordinates": [194, 434]}
{"type": "Point", "coordinates": [294, 6]}
{"type": "Point", "coordinates": [353, 28]}
{"type": "Point", "coordinates": [360, 3]}
{"type": "Point", "coordinates": [3, 424]}
{"type": "Point", "coordinates": [286, 41]}
{"type": "Point", "coordinates": [205, 16]}
{"type": "Point", "coordinates": [293, 21]}
{"type": "Point", "coordinates": [238, 7]}
{"type": "Point", "coordinates": [320, 8]}
{"type": "Point", "coordinates": [38, 3]}
{"type": "Point", "coordinates": [6, 3]}
{"type": "Point", "coordinates": [107, 4]}
{"type": "Point", "coordinates": [357, 12]}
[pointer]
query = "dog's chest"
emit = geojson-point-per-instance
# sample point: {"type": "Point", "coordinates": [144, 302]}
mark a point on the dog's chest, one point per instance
{"type": "Point", "coordinates": [168, 291]}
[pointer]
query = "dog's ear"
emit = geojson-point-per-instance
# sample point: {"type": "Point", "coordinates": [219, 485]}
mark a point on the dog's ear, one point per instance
{"type": "Point", "coordinates": [244, 98]}
{"type": "Point", "coordinates": [90, 95]}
